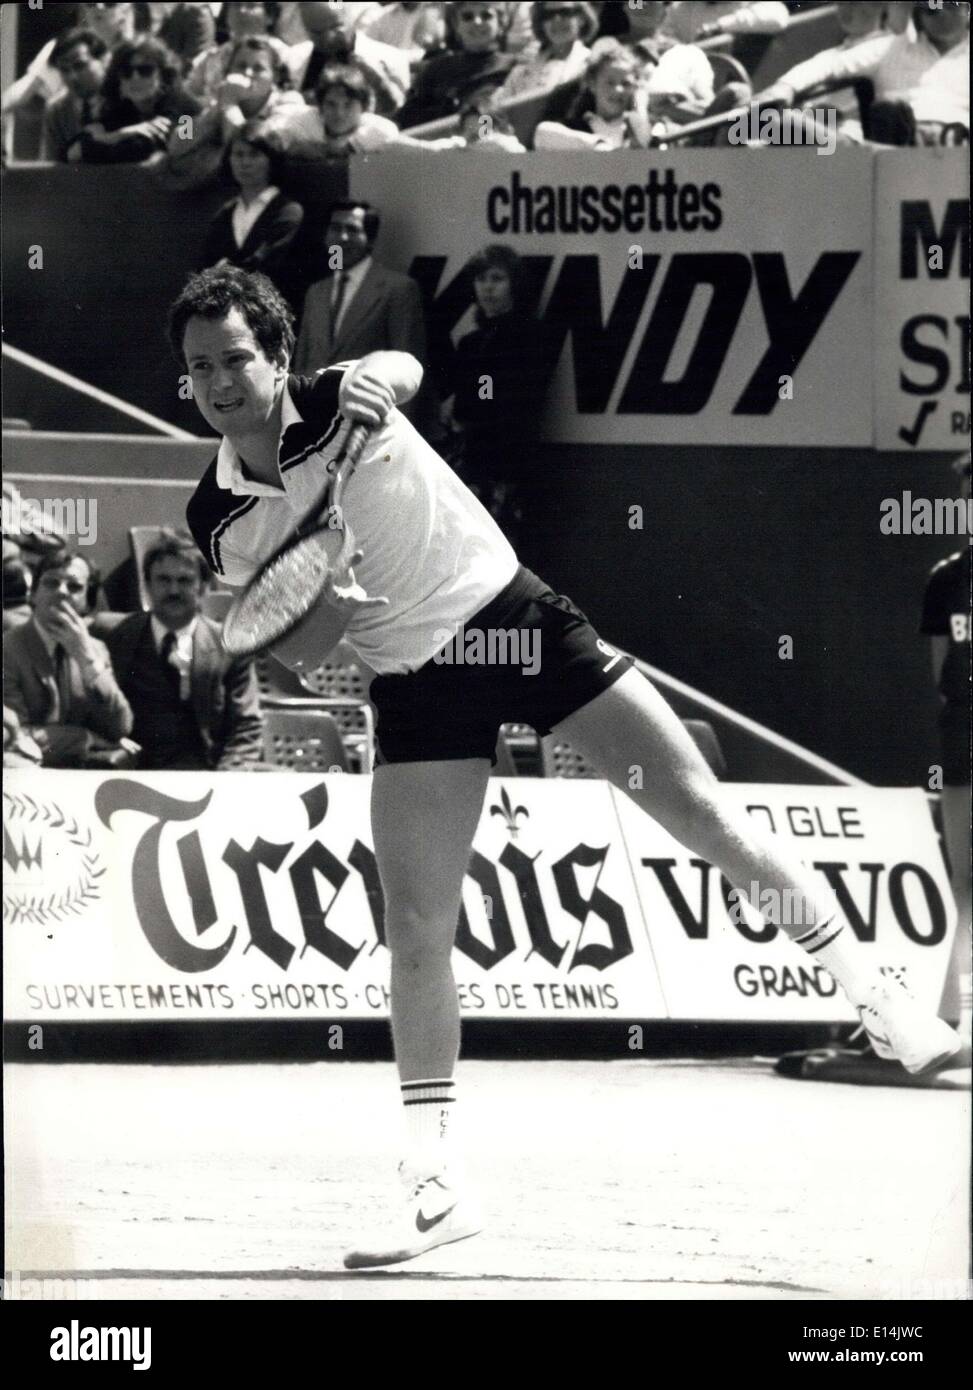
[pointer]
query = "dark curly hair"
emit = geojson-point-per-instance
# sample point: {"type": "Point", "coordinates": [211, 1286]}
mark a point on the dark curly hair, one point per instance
{"type": "Point", "coordinates": [504, 258]}
{"type": "Point", "coordinates": [212, 294]}
{"type": "Point", "coordinates": [145, 48]}
{"type": "Point", "coordinates": [259, 43]}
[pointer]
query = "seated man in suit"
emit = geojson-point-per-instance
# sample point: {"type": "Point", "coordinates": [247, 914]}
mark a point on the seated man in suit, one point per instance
{"type": "Point", "coordinates": [57, 677]}
{"type": "Point", "coordinates": [194, 707]}
{"type": "Point", "coordinates": [360, 307]}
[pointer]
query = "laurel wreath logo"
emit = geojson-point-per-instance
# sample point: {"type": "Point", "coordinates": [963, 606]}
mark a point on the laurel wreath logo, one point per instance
{"type": "Point", "coordinates": [38, 907]}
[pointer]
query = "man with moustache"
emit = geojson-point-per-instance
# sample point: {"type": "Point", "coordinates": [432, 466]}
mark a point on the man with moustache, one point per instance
{"type": "Point", "coordinates": [194, 707]}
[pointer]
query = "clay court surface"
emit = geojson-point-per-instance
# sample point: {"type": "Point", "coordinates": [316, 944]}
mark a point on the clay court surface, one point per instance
{"type": "Point", "coordinates": [617, 1180]}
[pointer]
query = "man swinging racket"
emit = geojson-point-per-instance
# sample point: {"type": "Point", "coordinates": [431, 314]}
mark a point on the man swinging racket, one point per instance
{"type": "Point", "coordinates": [429, 561]}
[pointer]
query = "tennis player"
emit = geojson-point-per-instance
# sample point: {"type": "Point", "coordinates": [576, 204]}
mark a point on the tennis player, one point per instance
{"type": "Point", "coordinates": [431, 564]}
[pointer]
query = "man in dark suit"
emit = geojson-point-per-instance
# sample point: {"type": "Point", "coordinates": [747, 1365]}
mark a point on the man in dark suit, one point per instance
{"type": "Point", "coordinates": [57, 677]}
{"type": "Point", "coordinates": [194, 707]}
{"type": "Point", "coordinates": [360, 307]}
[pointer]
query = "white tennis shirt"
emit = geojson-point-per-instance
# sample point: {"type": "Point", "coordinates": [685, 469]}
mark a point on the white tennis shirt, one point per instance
{"type": "Point", "coordinates": [429, 547]}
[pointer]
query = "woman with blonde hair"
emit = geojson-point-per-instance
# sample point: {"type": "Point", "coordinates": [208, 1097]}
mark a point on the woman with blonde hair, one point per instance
{"type": "Point", "coordinates": [564, 29]}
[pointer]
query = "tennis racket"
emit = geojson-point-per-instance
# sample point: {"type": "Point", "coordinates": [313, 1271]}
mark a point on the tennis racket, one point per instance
{"type": "Point", "coordinates": [288, 584]}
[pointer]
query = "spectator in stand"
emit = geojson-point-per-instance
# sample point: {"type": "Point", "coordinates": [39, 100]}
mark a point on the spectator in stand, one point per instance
{"type": "Point", "coordinates": [922, 84]}
{"type": "Point", "coordinates": [481, 127]}
{"type": "Point", "coordinates": [111, 24]}
{"type": "Point", "coordinates": [194, 707]}
{"type": "Point", "coordinates": [350, 126]}
{"type": "Point", "coordinates": [19, 749]}
{"type": "Point", "coordinates": [187, 31]}
{"type": "Point", "coordinates": [142, 99]}
{"type": "Point", "coordinates": [611, 112]}
{"type": "Point", "coordinates": [677, 76]}
{"type": "Point", "coordinates": [361, 307]}
{"type": "Point", "coordinates": [243, 21]}
{"type": "Point", "coordinates": [413, 26]}
{"type": "Point", "coordinates": [345, 101]}
{"type": "Point", "coordinates": [58, 679]}
{"type": "Point", "coordinates": [563, 29]}
{"type": "Point", "coordinates": [114, 24]}
{"type": "Point", "coordinates": [334, 39]}
{"type": "Point", "coordinates": [494, 430]}
{"type": "Point", "coordinates": [28, 532]}
{"type": "Point", "coordinates": [946, 620]}
{"type": "Point", "coordinates": [690, 20]}
{"type": "Point", "coordinates": [255, 92]}
{"type": "Point", "coordinates": [255, 230]}
{"type": "Point", "coordinates": [857, 56]}
{"type": "Point", "coordinates": [80, 57]}
{"type": "Point", "coordinates": [442, 83]}
{"type": "Point", "coordinates": [17, 584]}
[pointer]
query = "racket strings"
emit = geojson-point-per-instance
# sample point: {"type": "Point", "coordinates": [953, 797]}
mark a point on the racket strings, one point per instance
{"type": "Point", "coordinates": [283, 594]}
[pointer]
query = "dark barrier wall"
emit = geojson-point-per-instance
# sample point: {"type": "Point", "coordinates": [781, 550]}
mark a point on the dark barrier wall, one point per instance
{"type": "Point", "coordinates": [743, 547]}
{"type": "Point", "coordinates": [739, 547]}
{"type": "Point", "coordinates": [115, 252]}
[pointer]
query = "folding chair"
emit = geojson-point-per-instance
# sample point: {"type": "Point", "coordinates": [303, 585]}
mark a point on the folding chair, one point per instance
{"type": "Point", "coordinates": [303, 740]}
{"type": "Point", "coordinates": [282, 689]}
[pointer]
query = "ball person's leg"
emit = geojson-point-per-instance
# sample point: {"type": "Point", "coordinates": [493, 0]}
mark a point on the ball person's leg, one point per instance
{"type": "Point", "coordinates": [955, 803]}
{"type": "Point", "coordinates": [424, 817]}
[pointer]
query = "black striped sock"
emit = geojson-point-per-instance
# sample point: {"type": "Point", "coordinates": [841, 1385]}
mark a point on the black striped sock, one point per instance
{"type": "Point", "coordinates": [839, 951]}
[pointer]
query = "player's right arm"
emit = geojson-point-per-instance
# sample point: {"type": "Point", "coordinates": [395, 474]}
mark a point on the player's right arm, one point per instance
{"type": "Point", "coordinates": [376, 383]}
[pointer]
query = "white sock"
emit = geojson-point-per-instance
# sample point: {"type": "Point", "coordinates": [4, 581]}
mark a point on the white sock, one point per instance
{"type": "Point", "coordinates": [428, 1112]}
{"type": "Point", "coordinates": [834, 945]}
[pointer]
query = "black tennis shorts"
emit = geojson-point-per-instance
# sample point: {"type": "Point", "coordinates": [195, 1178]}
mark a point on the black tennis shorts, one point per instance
{"type": "Point", "coordinates": [528, 657]}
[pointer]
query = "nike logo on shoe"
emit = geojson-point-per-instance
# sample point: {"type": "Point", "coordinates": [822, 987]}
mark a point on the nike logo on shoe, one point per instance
{"type": "Point", "coordinates": [424, 1224]}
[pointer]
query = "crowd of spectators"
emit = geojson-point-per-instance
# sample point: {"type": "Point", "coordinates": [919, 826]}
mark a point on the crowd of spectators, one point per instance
{"type": "Point", "coordinates": [172, 83]}
{"type": "Point", "coordinates": [84, 687]}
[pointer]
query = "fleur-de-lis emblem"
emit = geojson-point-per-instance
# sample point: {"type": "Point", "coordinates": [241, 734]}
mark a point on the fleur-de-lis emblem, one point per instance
{"type": "Point", "coordinates": [510, 812]}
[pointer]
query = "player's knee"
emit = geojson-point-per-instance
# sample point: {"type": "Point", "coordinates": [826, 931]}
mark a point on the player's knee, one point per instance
{"type": "Point", "coordinates": [416, 938]}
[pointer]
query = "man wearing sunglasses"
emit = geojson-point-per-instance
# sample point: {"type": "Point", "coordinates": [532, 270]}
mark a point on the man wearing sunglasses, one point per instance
{"type": "Point", "coordinates": [57, 678]}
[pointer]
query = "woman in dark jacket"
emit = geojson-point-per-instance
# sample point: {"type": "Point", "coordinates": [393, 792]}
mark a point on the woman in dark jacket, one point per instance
{"type": "Point", "coordinates": [142, 98]}
{"type": "Point", "coordinates": [499, 376]}
{"type": "Point", "coordinates": [477, 60]}
{"type": "Point", "coordinates": [255, 230]}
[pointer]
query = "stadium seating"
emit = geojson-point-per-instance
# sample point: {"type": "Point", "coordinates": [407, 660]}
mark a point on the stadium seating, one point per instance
{"type": "Point", "coordinates": [282, 689]}
{"type": "Point", "coordinates": [304, 740]}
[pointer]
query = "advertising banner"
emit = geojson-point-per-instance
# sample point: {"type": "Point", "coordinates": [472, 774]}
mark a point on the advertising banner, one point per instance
{"type": "Point", "coordinates": [875, 848]}
{"type": "Point", "coordinates": [175, 896]}
{"type": "Point", "coordinates": [688, 300]}
{"type": "Point", "coordinates": [922, 299]}
{"type": "Point", "coordinates": [184, 895]}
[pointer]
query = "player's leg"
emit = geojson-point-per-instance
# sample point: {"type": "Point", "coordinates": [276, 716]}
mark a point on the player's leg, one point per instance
{"type": "Point", "coordinates": [424, 817]}
{"type": "Point", "coordinates": [631, 724]}
{"type": "Point", "coordinates": [955, 805]}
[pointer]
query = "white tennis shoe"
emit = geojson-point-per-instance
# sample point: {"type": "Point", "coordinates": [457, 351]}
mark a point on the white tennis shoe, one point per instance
{"type": "Point", "coordinates": [437, 1213]}
{"type": "Point", "coordinates": [901, 1030]}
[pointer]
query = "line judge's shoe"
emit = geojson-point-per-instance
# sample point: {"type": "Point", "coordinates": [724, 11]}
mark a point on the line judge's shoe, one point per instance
{"type": "Point", "coordinates": [901, 1030]}
{"type": "Point", "coordinates": [436, 1213]}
